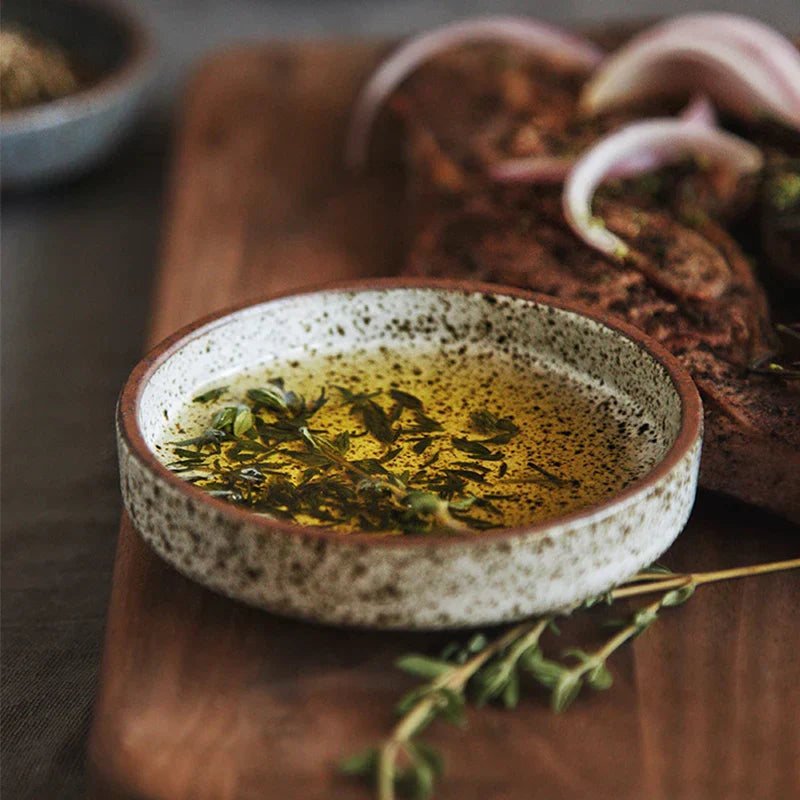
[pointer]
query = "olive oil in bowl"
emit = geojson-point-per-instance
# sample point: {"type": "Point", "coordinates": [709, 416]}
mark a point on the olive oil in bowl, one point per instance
{"type": "Point", "coordinates": [398, 441]}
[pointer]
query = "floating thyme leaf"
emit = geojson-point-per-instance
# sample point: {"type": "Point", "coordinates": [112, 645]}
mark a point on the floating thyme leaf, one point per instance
{"type": "Point", "coordinates": [486, 422]}
{"type": "Point", "coordinates": [473, 448]}
{"type": "Point", "coordinates": [242, 421]}
{"type": "Point", "coordinates": [422, 445]}
{"type": "Point", "coordinates": [211, 395]}
{"type": "Point", "coordinates": [224, 418]}
{"type": "Point", "coordinates": [554, 479]}
{"type": "Point", "coordinates": [405, 399]}
{"type": "Point", "coordinates": [424, 424]}
{"type": "Point", "coordinates": [376, 421]}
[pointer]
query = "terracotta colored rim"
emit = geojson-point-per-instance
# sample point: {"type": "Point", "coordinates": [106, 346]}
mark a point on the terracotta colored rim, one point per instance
{"type": "Point", "coordinates": [690, 424]}
{"type": "Point", "coordinates": [102, 92]}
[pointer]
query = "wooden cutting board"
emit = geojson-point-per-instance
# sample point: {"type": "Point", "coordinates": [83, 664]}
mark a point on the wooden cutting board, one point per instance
{"type": "Point", "coordinates": [203, 698]}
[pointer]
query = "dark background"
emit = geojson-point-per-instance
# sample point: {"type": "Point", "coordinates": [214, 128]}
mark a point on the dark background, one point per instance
{"type": "Point", "coordinates": [78, 263]}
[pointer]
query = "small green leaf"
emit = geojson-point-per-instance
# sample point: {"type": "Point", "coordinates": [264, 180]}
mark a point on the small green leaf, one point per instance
{"type": "Point", "coordinates": [423, 503]}
{"type": "Point", "coordinates": [450, 650]}
{"type": "Point", "coordinates": [644, 618]}
{"type": "Point", "coordinates": [658, 569]}
{"type": "Point", "coordinates": [243, 421]}
{"type": "Point", "coordinates": [424, 424]}
{"type": "Point", "coordinates": [546, 672]}
{"type": "Point", "coordinates": [477, 643]}
{"type": "Point", "coordinates": [581, 655]}
{"type": "Point", "coordinates": [423, 780]}
{"type": "Point", "coordinates": [431, 756]}
{"type": "Point", "coordinates": [341, 442]}
{"type": "Point", "coordinates": [390, 454]}
{"type": "Point", "coordinates": [211, 395]}
{"type": "Point", "coordinates": [463, 504]}
{"type": "Point", "coordinates": [511, 691]}
{"type": "Point", "coordinates": [182, 452]}
{"type": "Point", "coordinates": [405, 399]}
{"type": "Point", "coordinates": [362, 763]}
{"type": "Point", "coordinates": [410, 699]}
{"type": "Point", "coordinates": [376, 421]}
{"type": "Point", "coordinates": [422, 666]}
{"type": "Point", "coordinates": [565, 691]}
{"type": "Point", "coordinates": [223, 418]}
{"type": "Point", "coordinates": [678, 596]}
{"type": "Point", "coordinates": [271, 396]}
{"type": "Point", "coordinates": [490, 682]}
{"type": "Point", "coordinates": [422, 445]}
{"type": "Point", "coordinates": [451, 706]}
{"type": "Point", "coordinates": [600, 677]}
{"type": "Point", "coordinates": [473, 448]}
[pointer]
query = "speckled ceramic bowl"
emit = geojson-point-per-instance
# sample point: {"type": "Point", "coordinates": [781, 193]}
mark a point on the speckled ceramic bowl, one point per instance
{"type": "Point", "coordinates": [429, 581]}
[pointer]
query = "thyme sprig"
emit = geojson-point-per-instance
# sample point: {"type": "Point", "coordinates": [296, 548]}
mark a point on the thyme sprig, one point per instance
{"type": "Point", "coordinates": [252, 449]}
{"type": "Point", "coordinates": [493, 670]}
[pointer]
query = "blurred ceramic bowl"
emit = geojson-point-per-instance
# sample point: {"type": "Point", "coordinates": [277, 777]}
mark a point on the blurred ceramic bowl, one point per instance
{"type": "Point", "coordinates": [61, 138]}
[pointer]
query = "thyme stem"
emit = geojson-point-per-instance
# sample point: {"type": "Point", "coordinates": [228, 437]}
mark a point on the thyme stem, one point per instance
{"type": "Point", "coordinates": [441, 512]}
{"type": "Point", "coordinates": [522, 636]}
{"type": "Point", "coordinates": [633, 588]}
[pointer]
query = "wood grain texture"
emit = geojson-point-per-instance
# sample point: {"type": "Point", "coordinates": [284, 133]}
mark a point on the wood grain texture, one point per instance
{"type": "Point", "coordinates": [203, 698]}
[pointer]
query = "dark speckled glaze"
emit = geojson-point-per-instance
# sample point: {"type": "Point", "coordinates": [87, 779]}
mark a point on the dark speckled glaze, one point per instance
{"type": "Point", "coordinates": [434, 581]}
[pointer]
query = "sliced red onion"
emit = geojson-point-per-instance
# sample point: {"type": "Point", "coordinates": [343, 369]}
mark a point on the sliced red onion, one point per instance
{"type": "Point", "coordinates": [665, 141]}
{"type": "Point", "coordinates": [681, 56]}
{"type": "Point", "coordinates": [546, 170]}
{"type": "Point", "coordinates": [559, 47]}
{"type": "Point", "coordinates": [700, 110]}
{"type": "Point", "coordinates": [554, 169]}
{"type": "Point", "coordinates": [763, 43]}
{"type": "Point", "coordinates": [532, 169]}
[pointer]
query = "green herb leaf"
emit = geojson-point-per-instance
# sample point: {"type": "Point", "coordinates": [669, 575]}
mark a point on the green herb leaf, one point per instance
{"type": "Point", "coordinates": [422, 666]}
{"type": "Point", "coordinates": [423, 503]}
{"type": "Point", "coordinates": [376, 421]}
{"type": "Point", "coordinates": [424, 424]}
{"type": "Point", "coordinates": [511, 691]}
{"type": "Point", "coordinates": [271, 396]}
{"type": "Point", "coordinates": [242, 421]}
{"type": "Point", "coordinates": [546, 672]}
{"type": "Point", "coordinates": [600, 677]}
{"type": "Point", "coordinates": [565, 691]}
{"type": "Point", "coordinates": [422, 445]}
{"type": "Point", "coordinates": [224, 418]}
{"type": "Point", "coordinates": [211, 395]}
{"type": "Point", "coordinates": [431, 756]}
{"type": "Point", "coordinates": [364, 762]}
{"type": "Point", "coordinates": [644, 618]}
{"type": "Point", "coordinates": [451, 706]}
{"type": "Point", "coordinates": [678, 596]}
{"type": "Point", "coordinates": [423, 780]}
{"type": "Point", "coordinates": [473, 448]}
{"type": "Point", "coordinates": [406, 400]}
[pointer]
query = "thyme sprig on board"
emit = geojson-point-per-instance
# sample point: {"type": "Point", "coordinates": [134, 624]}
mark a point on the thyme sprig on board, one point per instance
{"type": "Point", "coordinates": [484, 670]}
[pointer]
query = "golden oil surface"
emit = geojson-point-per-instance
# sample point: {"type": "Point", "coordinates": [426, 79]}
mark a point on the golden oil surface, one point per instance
{"type": "Point", "coordinates": [569, 452]}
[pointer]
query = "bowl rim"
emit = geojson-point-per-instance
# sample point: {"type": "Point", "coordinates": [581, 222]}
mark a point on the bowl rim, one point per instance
{"type": "Point", "coordinates": [689, 431]}
{"type": "Point", "coordinates": [105, 91]}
